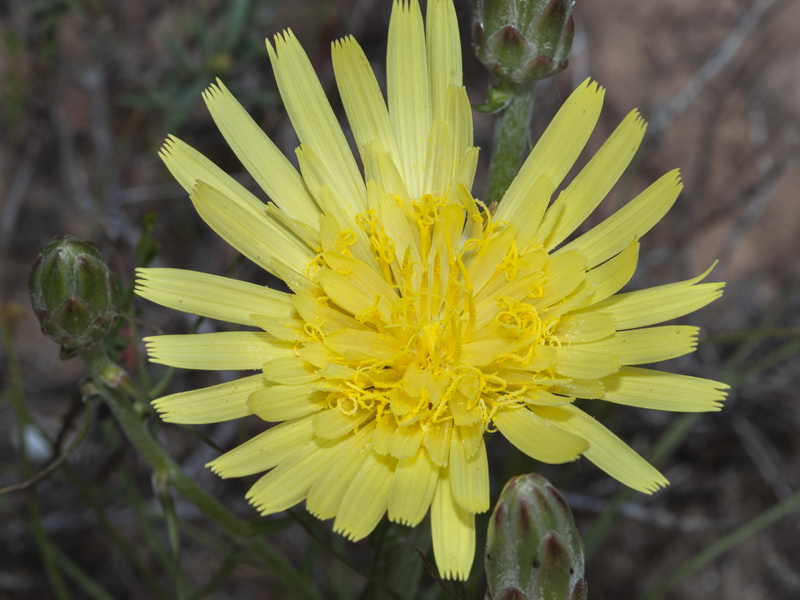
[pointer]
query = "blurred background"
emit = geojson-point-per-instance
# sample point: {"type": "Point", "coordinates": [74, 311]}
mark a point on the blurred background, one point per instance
{"type": "Point", "coordinates": [90, 88]}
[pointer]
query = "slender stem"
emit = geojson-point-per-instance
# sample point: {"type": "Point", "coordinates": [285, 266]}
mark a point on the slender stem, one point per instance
{"type": "Point", "coordinates": [110, 380]}
{"type": "Point", "coordinates": [511, 138]}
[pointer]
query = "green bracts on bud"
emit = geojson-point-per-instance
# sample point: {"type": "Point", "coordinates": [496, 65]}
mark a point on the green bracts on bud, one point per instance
{"type": "Point", "coordinates": [73, 294]}
{"type": "Point", "coordinates": [523, 40]}
{"type": "Point", "coordinates": [533, 548]}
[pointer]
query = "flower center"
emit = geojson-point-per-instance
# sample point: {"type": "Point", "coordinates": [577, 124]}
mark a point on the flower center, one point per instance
{"type": "Point", "coordinates": [431, 317]}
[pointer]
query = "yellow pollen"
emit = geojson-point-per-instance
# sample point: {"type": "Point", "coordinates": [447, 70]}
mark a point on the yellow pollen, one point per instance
{"type": "Point", "coordinates": [408, 360]}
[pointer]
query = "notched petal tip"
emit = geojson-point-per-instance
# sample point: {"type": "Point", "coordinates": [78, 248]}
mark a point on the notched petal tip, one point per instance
{"type": "Point", "coordinates": [141, 281]}
{"type": "Point", "coordinates": [279, 43]}
{"type": "Point", "coordinates": [591, 85]}
{"type": "Point", "coordinates": [656, 485]}
{"type": "Point", "coordinates": [674, 177]}
{"type": "Point", "coordinates": [345, 532]}
{"type": "Point", "coordinates": [343, 44]}
{"type": "Point", "coordinates": [169, 148]}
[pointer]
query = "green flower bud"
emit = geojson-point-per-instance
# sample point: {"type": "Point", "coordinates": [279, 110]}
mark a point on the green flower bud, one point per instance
{"type": "Point", "coordinates": [533, 548]}
{"type": "Point", "coordinates": [73, 294]}
{"type": "Point", "coordinates": [522, 40]}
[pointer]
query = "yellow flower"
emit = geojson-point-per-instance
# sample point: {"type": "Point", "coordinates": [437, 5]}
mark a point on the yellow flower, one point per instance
{"type": "Point", "coordinates": [418, 320]}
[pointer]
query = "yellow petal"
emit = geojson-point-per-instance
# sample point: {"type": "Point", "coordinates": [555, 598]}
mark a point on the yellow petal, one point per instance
{"type": "Point", "coordinates": [382, 174]}
{"type": "Point", "coordinates": [291, 370]}
{"type": "Point", "coordinates": [223, 351]}
{"type": "Point", "coordinates": [437, 442]}
{"type": "Point", "coordinates": [308, 234]}
{"type": "Point", "coordinates": [468, 165]}
{"type": "Point", "coordinates": [364, 305]}
{"type": "Point", "coordinates": [564, 272]}
{"type": "Point", "coordinates": [641, 346]}
{"type": "Point", "coordinates": [555, 153]}
{"type": "Point", "coordinates": [361, 96]}
{"type": "Point", "coordinates": [211, 296]}
{"type": "Point", "coordinates": [326, 494]}
{"type": "Point", "coordinates": [584, 327]}
{"type": "Point", "coordinates": [578, 388]}
{"type": "Point", "coordinates": [213, 404]}
{"type": "Point", "coordinates": [370, 346]}
{"type": "Point", "coordinates": [289, 482]}
{"type": "Point", "coordinates": [286, 329]}
{"type": "Point", "coordinates": [266, 450]}
{"type": "Point", "coordinates": [545, 398]}
{"type": "Point", "coordinates": [611, 276]}
{"type": "Point", "coordinates": [440, 160]}
{"type": "Point", "coordinates": [385, 425]}
{"type": "Point", "coordinates": [312, 116]}
{"type": "Point", "coordinates": [285, 402]}
{"type": "Point", "coordinates": [333, 423]}
{"type": "Point", "coordinates": [459, 120]}
{"type": "Point", "coordinates": [526, 285]}
{"type": "Point", "coordinates": [399, 229]}
{"type": "Point", "coordinates": [405, 441]}
{"type": "Point", "coordinates": [594, 181]}
{"type": "Point", "coordinates": [469, 474]}
{"type": "Point", "coordinates": [486, 262]}
{"type": "Point", "coordinates": [531, 374]}
{"type": "Point", "coordinates": [568, 304]}
{"type": "Point", "coordinates": [297, 281]}
{"type": "Point", "coordinates": [606, 450]}
{"type": "Point", "coordinates": [188, 166]}
{"type": "Point", "coordinates": [257, 236]}
{"type": "Point", "coordinates": [472, 437]}
{"type": "Point", "coordinates": [407, 87]}
{"type": "Point", "coordinates": [362, 276]}
{"type": "Point", "coordinates": [337, 233]}
{"type": "Point", "coordinates": [260, 156]}
{"type": "Point", "coordinates": [633, 220]}
{"type": "Point", "coordinates": [319, 314]}
{"type": "Point", "coordinates": [660, 303]}
{"type": "Point", "coordinates": [581, 362]}
{"type": "Point", "coordinates": [414, 484]}
{"type": "Point", "coordinates": [537, 437]}
{"type": "Point", "coordinates": [367, 497]}
{"type": "Point", "coordinates": [444, 53]}
{"type": "Point", "coordinates": [481, 352]}
{"type": "Point", "coordinates": [452, 532]}
{"type": "Point", "coordinates": [663, 391]}
{"type": "Point", "coordinates": [461, 414]}
{"type": "Point", "coordinates": [529, 214]}
{"type": "Point", "coordinates": [328, 189]}
{"type": "Point", "coordinates": [317, 354]}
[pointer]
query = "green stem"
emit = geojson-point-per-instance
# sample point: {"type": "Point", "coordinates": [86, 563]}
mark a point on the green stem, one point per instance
{"type": "Point", "coordinates": [512, 136]}
{"type": "Point", "coordinates": [110, 379]}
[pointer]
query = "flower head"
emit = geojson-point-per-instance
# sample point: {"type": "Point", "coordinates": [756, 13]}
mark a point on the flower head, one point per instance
{"type": "Point", "coordinates": [418, 320]}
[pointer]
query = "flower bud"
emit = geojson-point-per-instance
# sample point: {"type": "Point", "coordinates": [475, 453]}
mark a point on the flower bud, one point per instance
{"type": "Point", "coordinates": [533, 548]}
{"type": "Point", "coordinates": [522, 40]}
{"type": "Point", "coordinates": [73, 294]}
